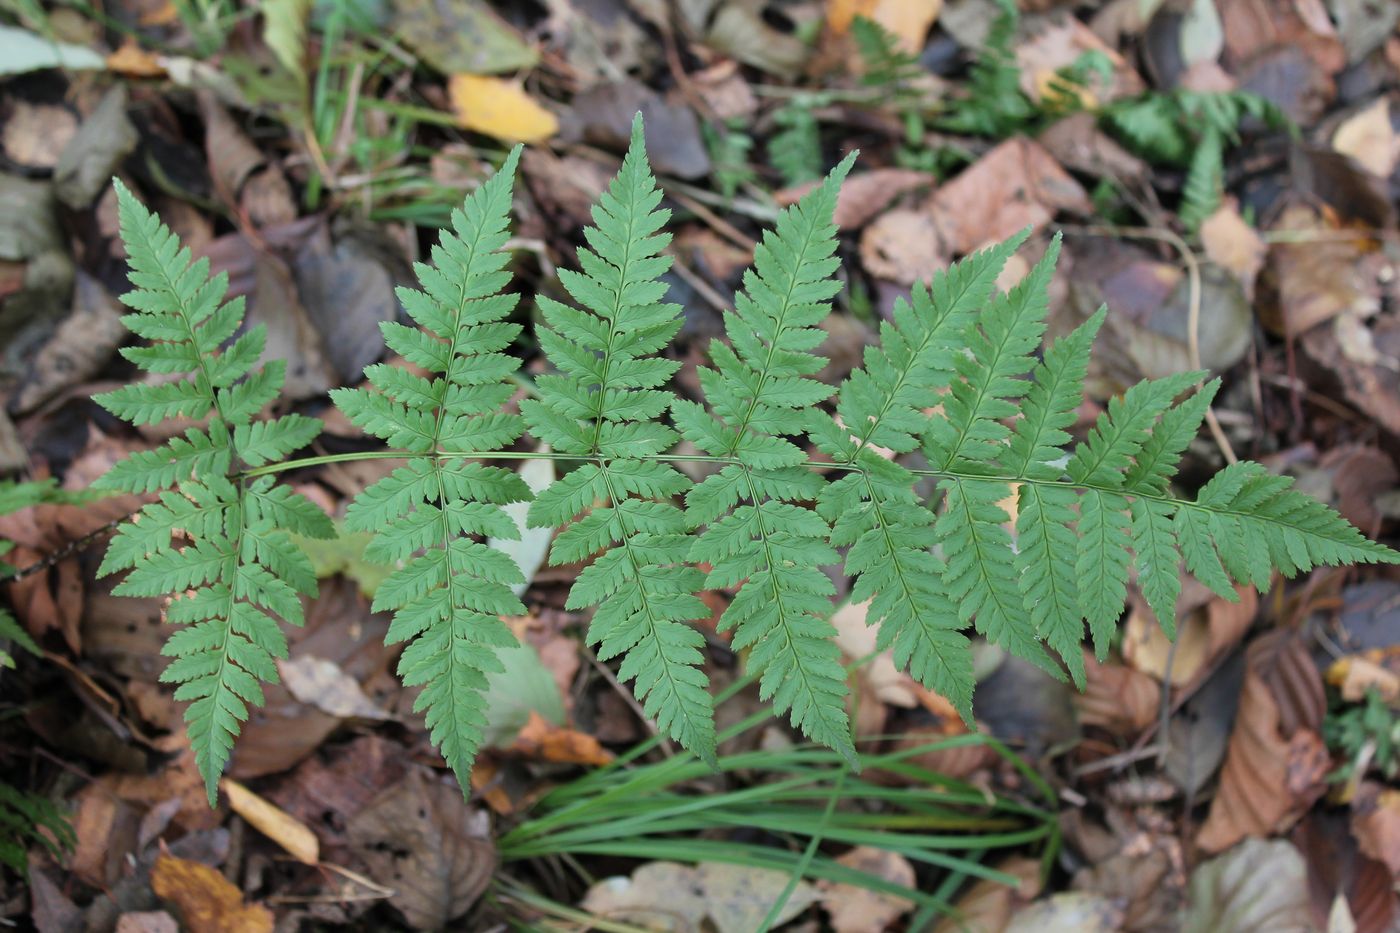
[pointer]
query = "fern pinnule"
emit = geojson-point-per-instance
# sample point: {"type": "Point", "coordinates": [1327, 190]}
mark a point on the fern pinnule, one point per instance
{"type": "Point", "coordinates": [605, 406]}
{"type": "Point", "coordinates": [448, 589]}
{"type": "Point", "coordinates": [760, 393]}
{"type": "Point", "coordinates": [236, 570]}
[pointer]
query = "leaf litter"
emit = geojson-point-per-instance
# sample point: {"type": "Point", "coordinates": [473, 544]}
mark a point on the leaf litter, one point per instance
{"type": "Point", "coordinates": [309, 152]}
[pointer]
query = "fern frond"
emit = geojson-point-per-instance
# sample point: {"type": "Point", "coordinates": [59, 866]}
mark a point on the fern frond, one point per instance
{"type": "Point", "coordinates": [448, 589]}
{"type": "Point", "coordinates": [604, 406]}
{"type": "Point", "coordinates": [760, 393]}
{"type": "Point", "coordinates": [242, 567]}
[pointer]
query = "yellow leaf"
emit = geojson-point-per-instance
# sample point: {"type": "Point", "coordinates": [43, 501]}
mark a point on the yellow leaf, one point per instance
{"type": "Point", "coordinates": [208, 902]}
{"type": "Point", "coordinates": [276, 824]}
{"type": "Point", "coordinates": [499, 108]}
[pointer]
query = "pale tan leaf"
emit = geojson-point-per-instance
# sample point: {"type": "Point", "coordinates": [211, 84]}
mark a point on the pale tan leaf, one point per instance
{"type": "Point", "coordinates": [273, 822]}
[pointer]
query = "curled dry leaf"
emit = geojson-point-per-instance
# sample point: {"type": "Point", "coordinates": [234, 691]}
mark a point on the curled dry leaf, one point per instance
{"type": "Point", "coordinates": [273, 822]}
{"type": "Point", "coordinates": [1261, 886]}
{"type": "Point", "coordinates": [207, 901]}
{"type": "Point", "coordinates": [1276, 764]}
{"type": "Point", "coordinates": [857, 909]}
{"type": "Point", "coordinates": [1117, 698]}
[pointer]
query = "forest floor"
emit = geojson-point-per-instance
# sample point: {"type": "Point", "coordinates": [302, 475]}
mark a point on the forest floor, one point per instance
{"type": "Point", "coordinates": [1223, 173]}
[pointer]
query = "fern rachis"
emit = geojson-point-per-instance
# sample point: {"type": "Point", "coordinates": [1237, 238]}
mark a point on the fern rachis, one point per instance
{"type": "Point", "coordinates": [957, 378]}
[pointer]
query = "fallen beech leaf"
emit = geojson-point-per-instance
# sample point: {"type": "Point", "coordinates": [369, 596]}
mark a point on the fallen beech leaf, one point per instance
{"type": "Point", "coordinates": [499, 108]}
{"type": "Point", "coordinates": [1375, 822]}
{"type": "Point", "coordinates": [1234, 245]}
{"type": "Point", "coordinates": [543, 741]}
{"type": "Point", "coordinates": [858, 909]}
{"type": "Point", "coordinates": [1276, 764]}
{"type": "Point", "coordinates": [1258, 887]}
{"type": "Point", "coordinates": [1204, 633]}
{"type": "Point", "coordinates": [207, 901]}
{"type": "Point", "coordinates": [419, 838]}
{"type": "Point", "coordinates": [988, 905]}
{"type": "Point", "coordinates": [274, 823]}
{"type": "Point", "coordinates": [1369, 138]}
{"type": "Point", "coordinates": [1117, 698]}
{"type": "Point", "coordinates": [1339, 871]}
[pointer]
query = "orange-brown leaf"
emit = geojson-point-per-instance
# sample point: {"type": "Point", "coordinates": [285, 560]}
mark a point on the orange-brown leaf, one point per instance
{"type": "Point", "coordinates": [207, 901]}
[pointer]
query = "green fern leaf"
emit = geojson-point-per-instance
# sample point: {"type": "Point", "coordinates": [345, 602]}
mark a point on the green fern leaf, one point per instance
{"type": "Point", "coordinates": [240, 565]}
{"type": "Point", "coordinates": [760, 392]}
{"type": "Point", "coordinates": [603, 406]}
{"type": "Point", "coordinates": [447, 589]}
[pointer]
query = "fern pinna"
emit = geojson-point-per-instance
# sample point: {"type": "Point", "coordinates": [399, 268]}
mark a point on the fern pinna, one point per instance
{"type": "Point", "coordinates": [957, 394]}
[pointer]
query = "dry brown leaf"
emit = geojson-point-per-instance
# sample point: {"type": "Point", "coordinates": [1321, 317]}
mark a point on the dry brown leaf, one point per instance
{"type": "Point", "coordinates": [858, 909]}
{"type": "Point", "coordinates": [1234, 245]}
{"type": "Point", "coordinates": [541, 740]}
{"type": "Point", "coordinates": [1117, 698]}
{"type": "Point", "coordinates": [1312, 281]}
{"type": "Point", "coordinates": [1276, 763]}
{"type": "Point", "coordinates": [420, 839]}
{"type": "Point", "coordinates": [1207, 626]}
{"type": "Point", "coordinates": [903, 245]}
{"type": "Point", "coordinates": [679, 898]}
{"type": "Point", "coordinates": [273, 822]}
{"type": "Point", "coordinates": [986, 906]}
{"type": "Point", "coordinates": [863, 196]}
{"type": "Point", "coordinates": [1369, 137]}
{"type": "Point", "coordinates": [1016, 184]}
{"type": "Point", "coordinates": [1068, 912]}
{"type": "Point", "coordinates": [208, 902]}
{"type": "Point", "coordinates": [34, 134]}
{"type": "Point", "coordinates": [1375, 822]}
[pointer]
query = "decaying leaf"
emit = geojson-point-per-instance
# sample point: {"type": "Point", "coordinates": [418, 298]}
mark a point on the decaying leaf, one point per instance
{"type": "Point", "coordinates": [207, 901]}
{"type": "Point", "coordinates": [1276, 763]}
{"type": "Point", "coordinates": [420, 839]}
{"type": "Point", "coordinates": [499, 108]}
{"type": "Point", "coordinates": [78, 349]}
{"type": "Point", "coordinates": [1356, 675]}
{"type": "Point", "coordinates": [461, 36]}
{"type": "Point", "coordinates": [856, 909]}
{"type": "Point", "coordinates": [1312, 280]}
{"type": "Point", "coordinates": [1260, 886]}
